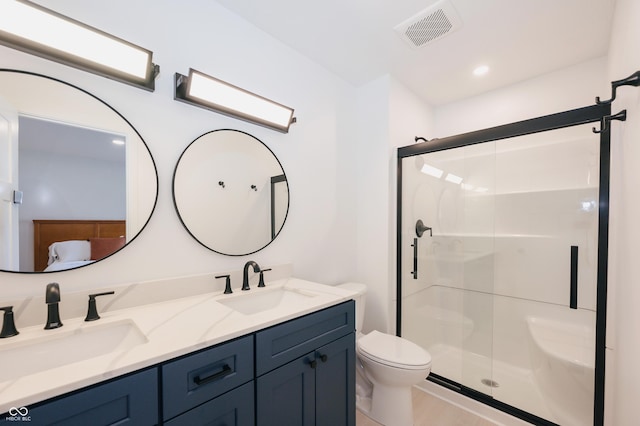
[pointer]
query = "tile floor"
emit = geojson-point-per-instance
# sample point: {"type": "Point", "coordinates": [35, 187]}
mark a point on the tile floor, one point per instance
{"type": "Point", "coordinates": [431, 411]}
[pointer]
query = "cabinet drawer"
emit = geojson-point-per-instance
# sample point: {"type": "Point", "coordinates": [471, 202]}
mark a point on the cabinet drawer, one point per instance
{"type": "Point", "coordinates": [195, 379]}
{"type": "Point", "coordinates": [282, 343]}
{"type": "Point", "coordinates": [234, 408]}
{"type": "Point", "coordinates": [129, 400]}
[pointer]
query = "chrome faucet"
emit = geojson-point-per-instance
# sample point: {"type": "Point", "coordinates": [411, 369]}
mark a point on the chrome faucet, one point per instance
{"type": "Point", "coordinates": [52, 298]}
{"type": "Point", "coordinates": [245, 273]}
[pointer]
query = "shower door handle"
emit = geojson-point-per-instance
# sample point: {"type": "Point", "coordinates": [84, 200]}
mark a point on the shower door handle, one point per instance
{"type": "Point", "coordinates": [415, 259]}
{"type": "Point", "coordinates": [573, 292]}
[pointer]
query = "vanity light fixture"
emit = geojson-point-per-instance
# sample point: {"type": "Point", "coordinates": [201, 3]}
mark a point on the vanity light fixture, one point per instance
{"type": "Point", "coordinates": [42, 32]}
{"type": "Point", "coordinates": [216, 95]}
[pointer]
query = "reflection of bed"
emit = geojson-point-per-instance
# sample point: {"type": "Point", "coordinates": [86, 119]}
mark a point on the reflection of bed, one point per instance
{"type": "Point", "coordinates": [47, 232]}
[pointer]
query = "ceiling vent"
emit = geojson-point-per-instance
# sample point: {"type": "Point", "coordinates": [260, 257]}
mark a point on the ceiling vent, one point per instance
{"type": "Point", "coordinates": [429, 25]}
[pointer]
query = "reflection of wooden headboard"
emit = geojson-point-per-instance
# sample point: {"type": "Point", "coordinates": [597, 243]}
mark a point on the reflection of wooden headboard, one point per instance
{"type": "Point", "coordinates": [46, 232]}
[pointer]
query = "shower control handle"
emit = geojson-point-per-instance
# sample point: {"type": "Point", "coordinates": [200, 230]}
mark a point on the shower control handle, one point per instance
{"type": "Point", "coordinates": [421, 228]}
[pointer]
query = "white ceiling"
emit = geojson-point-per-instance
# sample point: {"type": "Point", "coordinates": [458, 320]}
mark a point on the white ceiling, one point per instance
{"type": "Point", "coordinates": [517, 39]}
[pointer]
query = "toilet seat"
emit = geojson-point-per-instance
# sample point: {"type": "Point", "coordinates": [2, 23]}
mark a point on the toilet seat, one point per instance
{"type": "Point", "coordinates": [393, 351]}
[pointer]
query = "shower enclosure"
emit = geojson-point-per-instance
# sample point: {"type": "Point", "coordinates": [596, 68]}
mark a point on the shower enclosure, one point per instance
{"type": "Point", "coordinates": [502, 242]}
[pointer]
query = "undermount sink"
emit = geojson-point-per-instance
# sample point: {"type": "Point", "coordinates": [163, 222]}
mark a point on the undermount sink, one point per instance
{"type": "Point", "coordinates": [263, 299]}
{"type": "Point", "coordinates": [62, 347]}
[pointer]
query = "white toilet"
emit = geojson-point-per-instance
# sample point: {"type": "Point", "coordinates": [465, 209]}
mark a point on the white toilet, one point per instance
{"type": "Point", "coordinates": [387, 367]}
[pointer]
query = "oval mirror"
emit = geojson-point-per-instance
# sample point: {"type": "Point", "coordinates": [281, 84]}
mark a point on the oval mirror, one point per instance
{"type": "Point", "coordinates": [77, 182]}
{"type": "Point", "coordinates": [230, 192]}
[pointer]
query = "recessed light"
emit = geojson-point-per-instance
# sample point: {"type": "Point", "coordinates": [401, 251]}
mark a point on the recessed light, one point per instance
{"type": "Point", "coordinates": [481, 70]}
{"type": "Point", "coordinates": [118, 142]}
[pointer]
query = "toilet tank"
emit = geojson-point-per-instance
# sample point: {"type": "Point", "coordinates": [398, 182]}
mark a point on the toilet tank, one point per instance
{"type": "Point", "coordinates": [359, 298]}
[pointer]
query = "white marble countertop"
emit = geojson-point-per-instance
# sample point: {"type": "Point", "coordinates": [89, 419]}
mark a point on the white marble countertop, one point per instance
{"type": "Point", "coordinates": [167, 330]}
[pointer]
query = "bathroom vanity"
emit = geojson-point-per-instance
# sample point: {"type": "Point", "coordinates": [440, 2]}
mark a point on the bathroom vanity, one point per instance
{"type": "Point", "coordinates": [284, 354]}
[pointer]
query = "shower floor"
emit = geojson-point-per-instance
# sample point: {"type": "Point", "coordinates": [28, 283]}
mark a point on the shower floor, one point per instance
{"type": "Point", "coordinates": [515, 385]}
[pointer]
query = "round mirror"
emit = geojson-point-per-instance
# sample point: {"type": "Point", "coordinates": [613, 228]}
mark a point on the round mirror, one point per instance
{"type": "Point", "coordinates": [230, 192]}
{"type": "Point", "coordinates": [77, 182]}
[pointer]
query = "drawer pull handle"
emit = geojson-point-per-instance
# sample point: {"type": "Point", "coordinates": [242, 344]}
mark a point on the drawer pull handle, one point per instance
{"type": "Point", "coordinates": [226, 370]}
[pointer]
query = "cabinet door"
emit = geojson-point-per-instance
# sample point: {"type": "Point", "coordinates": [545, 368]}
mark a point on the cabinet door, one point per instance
{"type": "Point", "coordinates": [130, 400]}
{"type": "Point", "coordinates": [234, 408]}
{"type": "Point", "coordinates": [286, 395]}
{"type": "Point", "coordinates": [282, 343]}
{"type": "Point", "coordinates": [335, 383]}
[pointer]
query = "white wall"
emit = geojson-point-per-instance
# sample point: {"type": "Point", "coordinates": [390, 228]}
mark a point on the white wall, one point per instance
{"type": "Point", "coordinates": [389, 116]}
{"type": "Point", "coordinates": [99, 195]}
{"type": "Point", "coordinates": [562, 90]}
{"type": "Point", "coordinates": [623, 345]}
{"type": "Point", "coordinates": [319, 236]}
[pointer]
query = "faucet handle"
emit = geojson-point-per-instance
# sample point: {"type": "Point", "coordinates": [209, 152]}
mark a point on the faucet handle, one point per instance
{"type": "Point", "coordinates": [261, 281]}
{"type": "Point", "coordinates": [8, 325]}
{"type": "Point", "coordinates": [92, 311]}
{"type": "Point", "coordinates": [227, 286]}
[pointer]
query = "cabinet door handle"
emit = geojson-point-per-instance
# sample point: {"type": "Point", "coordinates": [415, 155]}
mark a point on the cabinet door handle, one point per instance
{"type": "Point", "coordinates": [226, 370]}
{"type": "Point", "coordinates": [313, 363]}
{"type": "Point", "coordinates": [324, 357]}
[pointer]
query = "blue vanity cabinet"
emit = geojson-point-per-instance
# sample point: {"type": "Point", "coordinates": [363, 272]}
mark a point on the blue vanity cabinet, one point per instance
{"type": "Point", "coordinates": [335, 383]}
{"type": "Point", "coordinates": [300, 372]}
{"type": "Point", "coordinates": [306, 370]}
{"type": "Point", "coordinates": [200, 388]}
{"type": "Point", "coordinates": [130, 400]}
{"type": "Point", "coordinates": [234, 408]}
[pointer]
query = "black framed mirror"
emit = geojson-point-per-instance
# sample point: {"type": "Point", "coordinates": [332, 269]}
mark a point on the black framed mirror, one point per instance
{"type": "Point", "coordinates": [230, 192]}
{"type": "Point", "coordinates": [77, 181]}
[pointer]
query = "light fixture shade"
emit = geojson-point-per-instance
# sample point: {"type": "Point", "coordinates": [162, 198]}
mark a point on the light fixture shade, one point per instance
{"type": "Point", "coordinates": [34, 29]}
{"type": "Point", "coordinates": [211, 93]}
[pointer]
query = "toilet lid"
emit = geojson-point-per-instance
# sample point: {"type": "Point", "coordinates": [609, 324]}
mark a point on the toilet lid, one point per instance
{"type": "Point", "coordinates": [393, 351]}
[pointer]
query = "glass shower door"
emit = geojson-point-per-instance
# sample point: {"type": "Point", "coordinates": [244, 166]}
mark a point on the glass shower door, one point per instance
{"type": "Point", "coordinates": [545, 264]}
{"type": "Point", "coordinates": [500, 248]}
{"type": "Point", "coordinates": [448, 283]}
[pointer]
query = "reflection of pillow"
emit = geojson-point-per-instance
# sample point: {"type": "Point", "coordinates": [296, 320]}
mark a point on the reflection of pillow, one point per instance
{"type": "Point", "coordinates": [103, 247]}
{"type": "Point", "coordinates": [71, 251]}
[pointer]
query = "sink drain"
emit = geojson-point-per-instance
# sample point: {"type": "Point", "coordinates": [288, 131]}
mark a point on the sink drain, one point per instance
{"type": "Point", "coordinates": [490, 383]}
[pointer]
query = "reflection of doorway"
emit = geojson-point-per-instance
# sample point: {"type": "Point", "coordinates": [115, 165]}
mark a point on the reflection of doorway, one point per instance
{"type": "Point", "coordinates": [68, 172]}
{"type": "Point", "coordinates": [9, 232]}
{"type": "Point", "coordinates": [279, 203]}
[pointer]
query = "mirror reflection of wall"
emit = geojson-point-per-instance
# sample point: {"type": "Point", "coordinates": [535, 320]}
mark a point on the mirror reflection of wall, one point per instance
{"type": "Point", "coordinates": [77, 184]}
{"type": "Point", "coordinates": [224, 194]}
{"type": "Point", "coordinates": [52, 155]}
